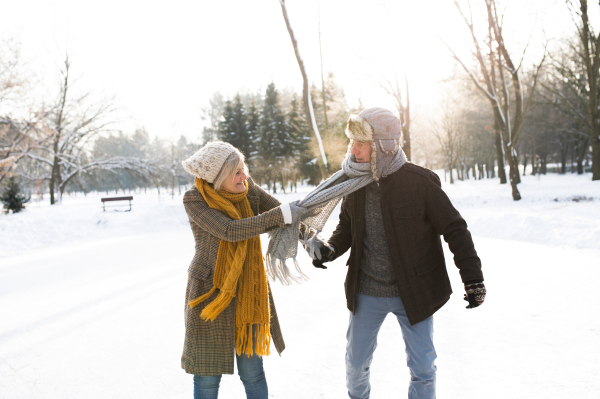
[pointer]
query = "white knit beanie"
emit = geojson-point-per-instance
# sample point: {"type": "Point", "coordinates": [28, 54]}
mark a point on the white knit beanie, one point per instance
{"type": "Point", "coordinates": [208, 160]}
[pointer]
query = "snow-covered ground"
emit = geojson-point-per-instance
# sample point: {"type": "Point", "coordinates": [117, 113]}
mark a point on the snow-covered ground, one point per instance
{"type": "Point", "coordinates": [91, 303]}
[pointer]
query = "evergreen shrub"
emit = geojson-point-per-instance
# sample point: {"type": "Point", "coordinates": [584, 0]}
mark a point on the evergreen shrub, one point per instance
{"type": "Point", "coordinates": [12, 198]}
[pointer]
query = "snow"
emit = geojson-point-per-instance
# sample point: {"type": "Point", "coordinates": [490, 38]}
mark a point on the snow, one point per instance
{"type": "Point", "coordinates": [91, 303]}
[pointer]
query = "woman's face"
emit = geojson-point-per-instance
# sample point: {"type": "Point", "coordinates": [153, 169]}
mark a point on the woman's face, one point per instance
{"type": "Point", "coordinates": [236, 185]}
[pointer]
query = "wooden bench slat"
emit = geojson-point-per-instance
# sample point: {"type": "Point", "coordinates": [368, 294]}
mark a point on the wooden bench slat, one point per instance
{"type": "Point", "coordinates": [116, 199]}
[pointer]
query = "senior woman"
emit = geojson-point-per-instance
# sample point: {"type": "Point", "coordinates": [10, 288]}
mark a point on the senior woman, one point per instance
{"type": "Point", "coordinates": [229, 308]}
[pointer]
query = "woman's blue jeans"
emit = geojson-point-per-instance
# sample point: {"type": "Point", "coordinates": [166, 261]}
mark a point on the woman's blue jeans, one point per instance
{"type": "Point", "coordinates": [251, 372]}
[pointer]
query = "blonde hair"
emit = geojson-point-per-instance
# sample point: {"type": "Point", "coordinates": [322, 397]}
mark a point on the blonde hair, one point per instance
{"type": "Point", "coordinates": [229, 169]}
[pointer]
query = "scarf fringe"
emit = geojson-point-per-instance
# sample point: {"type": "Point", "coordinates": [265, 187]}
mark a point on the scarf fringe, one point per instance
{"type": "Point", "coordinates": [320, 202]}
{"type": "Point", "coordinates": [202, 298]}
{"type": "Point", "coordinates": [213, 309]}
{"type": "Point", "coordinates": [262, 340]}
{"type": "Point", "coordinates": [277, 269]}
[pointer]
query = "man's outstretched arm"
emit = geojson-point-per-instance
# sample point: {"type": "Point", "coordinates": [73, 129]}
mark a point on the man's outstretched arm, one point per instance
{"type": "Point", "coordinates": [341, 239]}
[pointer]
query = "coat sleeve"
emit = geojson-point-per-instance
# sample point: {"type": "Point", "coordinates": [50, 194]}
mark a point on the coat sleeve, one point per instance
{"type": "Point", "coordinates": [341, 239]}
{"type": "Point", "coordinates": [266, 200]}
{"type": "Point", "coordinates": [449, 223]}
{"type": "Point", "coordinates": [220, 225]}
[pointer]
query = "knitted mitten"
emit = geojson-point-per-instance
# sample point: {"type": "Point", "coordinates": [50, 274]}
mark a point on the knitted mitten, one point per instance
{"type": "Point", "coordinates": [327, 253]}
{"type": "Point", "coordinates": [297, 211]}
{"type": "Point", "coordinates": [475, 293]}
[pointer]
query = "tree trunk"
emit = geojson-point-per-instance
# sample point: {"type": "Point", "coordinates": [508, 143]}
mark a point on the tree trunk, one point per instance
{"type": "Point", "coordinates": [563, 158]}
{"type": "Point", "coordinates": [312, 123]}
{"type": "Point", "coordinates": [54, 179]}
{"type": "Point", "coordinates": [581, 155]}
{"type": "Point", "coordinates": [323, 99]}
{"type": "Point", "coordinates": [516, 164]}
{"type": "Point", "coordinates": [513, 170]}
{"type": "Point", "coordinates": [543, 165]}
{"type": "Point", "coordinates": [500, 157]}
{"type": "Point", "coordinates": [592, 64]}
{"type": "Point", "coordinates": [51, 187]}
{"type": "Point", "coordinates": [596, 159]}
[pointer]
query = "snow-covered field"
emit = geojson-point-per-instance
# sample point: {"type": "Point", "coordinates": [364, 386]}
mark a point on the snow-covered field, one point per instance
{"type": "Point", "coordinates": [91, 303]}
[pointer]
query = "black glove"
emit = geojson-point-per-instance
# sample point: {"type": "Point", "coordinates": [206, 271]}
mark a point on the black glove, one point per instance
{"type": "Point", "coordinates": [475, 293]}
{"type": "Point", "coordinates": [326, 255]}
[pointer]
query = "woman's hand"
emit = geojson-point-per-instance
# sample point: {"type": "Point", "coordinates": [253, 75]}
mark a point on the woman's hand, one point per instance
{"type": "Point", "coordinates": [292, 212]}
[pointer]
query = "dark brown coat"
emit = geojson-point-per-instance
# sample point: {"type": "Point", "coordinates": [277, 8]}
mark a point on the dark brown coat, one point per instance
{"type": "Point", "coordinates": [416, 211]}
{"type": "Point", "coordinates": [209, 347]}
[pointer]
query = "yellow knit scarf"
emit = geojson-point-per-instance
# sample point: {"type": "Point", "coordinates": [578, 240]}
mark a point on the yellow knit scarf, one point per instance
{"type": "Point", "coordinates": [239, 272]}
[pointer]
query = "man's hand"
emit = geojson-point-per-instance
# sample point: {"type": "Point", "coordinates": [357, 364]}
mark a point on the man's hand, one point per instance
{"type": "Point", "coordinates": [475, 293]}
{"type": "Point", "coordinates": [324, 253]}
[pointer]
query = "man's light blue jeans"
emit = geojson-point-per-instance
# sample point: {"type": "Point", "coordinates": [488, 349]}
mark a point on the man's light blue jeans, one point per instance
{"type": "Point", "coordinates": [251, 372]}
{"type": "Point", "coordinates": [362, 341]}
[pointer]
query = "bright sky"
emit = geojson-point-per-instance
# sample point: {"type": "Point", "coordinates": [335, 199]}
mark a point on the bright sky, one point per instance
{"type": "Point", "coordinates": [164, 60]}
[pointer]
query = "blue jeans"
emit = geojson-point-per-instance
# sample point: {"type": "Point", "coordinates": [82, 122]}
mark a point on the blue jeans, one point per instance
{"type": "Point", "coordinates": [362, 341]}
{"type": "Point", "coordinates": [251, 372]}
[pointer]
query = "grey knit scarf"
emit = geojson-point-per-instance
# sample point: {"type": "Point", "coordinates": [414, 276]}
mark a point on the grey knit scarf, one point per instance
{"type": "Point", "coordinates": [320, 203]}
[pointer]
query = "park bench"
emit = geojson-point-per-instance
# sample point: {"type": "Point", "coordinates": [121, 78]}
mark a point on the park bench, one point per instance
{"type": "Point", "coordinates": [109, 199]}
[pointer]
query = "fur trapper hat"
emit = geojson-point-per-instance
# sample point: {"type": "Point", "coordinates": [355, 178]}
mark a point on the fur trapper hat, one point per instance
{"type": "Point", "coordinates": [208, 160]}
{"type": "Point", "coordinates": [379, 126]}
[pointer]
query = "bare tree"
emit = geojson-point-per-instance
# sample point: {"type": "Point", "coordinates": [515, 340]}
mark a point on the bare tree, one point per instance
{"type": "Point", "coordinates": [17, 139]}
{"type": "Point", "coordinates": [591, 58]}
{"type": "Point", "coordinates": [499, 93]}
{"type": "Point", "coordinates": [68, 129]}
{"type": "Point", "coordinates": [323, 96]}
{"type": "Point", "coordinates": [393, 89]}
{"type": "Point", "coordinates": [566, 90]}
{"type": "Point", "coordinates": [13, 79]}
{"type": "Point", "coordinates": [447, 132]}
{"type": "Point", "coordinates": [19, 129]}
{"type": "Point", "coordinates": [312, 123]}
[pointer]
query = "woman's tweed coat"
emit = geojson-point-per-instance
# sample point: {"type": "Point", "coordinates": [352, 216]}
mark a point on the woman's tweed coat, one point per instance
{"type": "Point", "coordinates": [209, 347]}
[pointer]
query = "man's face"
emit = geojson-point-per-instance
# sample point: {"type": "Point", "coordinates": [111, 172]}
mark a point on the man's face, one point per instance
{"type": "Point", "coordinates": [362, 151]}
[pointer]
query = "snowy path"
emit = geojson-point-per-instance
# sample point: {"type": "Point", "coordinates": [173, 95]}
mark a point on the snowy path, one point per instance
{"type": "Point", "coordinates": [104, 320]}
{"type": "Point", "coordinates": [91, 304]}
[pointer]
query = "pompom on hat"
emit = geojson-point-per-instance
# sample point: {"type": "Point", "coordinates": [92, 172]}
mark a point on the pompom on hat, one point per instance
{"type": "Point", "coordinates": [382, 128]}
{"type": "Point", "coordinates": [206, 163]}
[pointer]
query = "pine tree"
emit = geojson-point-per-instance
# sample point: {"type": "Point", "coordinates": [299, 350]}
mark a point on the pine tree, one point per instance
{"type": "Point", "coordinates": [306, 163]}
{"type": "Point", "coordinates": [225, 127]}
{"type": "Point", "coordinates": [252, 127]}
{"type": "Point", "coordinates": [275, 143]}
{"type": "Point", "coordinates": [267, 146]}
{"type": "Point", "coordinates": [299, 132]}
{"type": "Point", "coordinates": [12, 198]}
{"type": "Point", "coordinates": [234, 127]}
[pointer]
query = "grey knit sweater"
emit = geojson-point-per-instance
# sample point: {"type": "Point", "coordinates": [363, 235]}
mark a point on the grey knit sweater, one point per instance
{"type": "Point", "coordinates": [376, 276]}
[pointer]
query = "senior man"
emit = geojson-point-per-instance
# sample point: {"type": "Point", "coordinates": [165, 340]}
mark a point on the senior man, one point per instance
{"type": "Point", "coordinates": [396, 265]}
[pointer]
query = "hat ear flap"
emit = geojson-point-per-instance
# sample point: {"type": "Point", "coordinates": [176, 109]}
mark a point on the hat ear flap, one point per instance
{"type": "Point", "coordinates": [374, 161]}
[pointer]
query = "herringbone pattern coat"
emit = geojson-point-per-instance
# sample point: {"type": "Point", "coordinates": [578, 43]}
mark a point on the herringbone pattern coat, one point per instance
{"type": "Point", "coordinates": [209, 347]}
